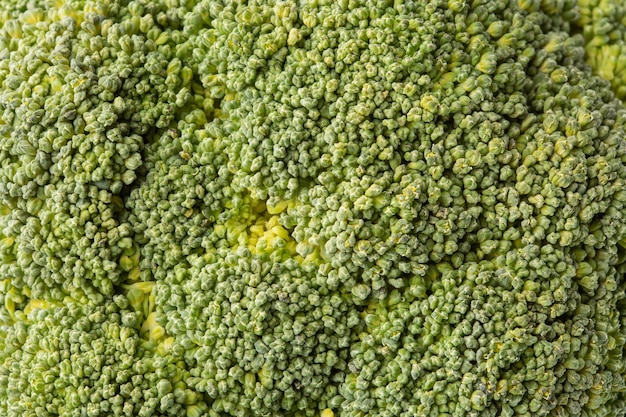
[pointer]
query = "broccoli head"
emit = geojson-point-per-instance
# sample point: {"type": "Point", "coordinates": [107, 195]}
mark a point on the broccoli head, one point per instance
{"type": "Point", "coordinates": [312, 208]}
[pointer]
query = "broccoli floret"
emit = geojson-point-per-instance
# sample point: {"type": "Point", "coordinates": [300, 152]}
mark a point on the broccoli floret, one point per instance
{"type": "Point", "coordinates": [84, 86]}
{"type": "Point", "coordinates": [326, 208]}
{"type": "Point", "coordinates": [603, 25]}
{"type": "Point", "coordinates": [70, 359]}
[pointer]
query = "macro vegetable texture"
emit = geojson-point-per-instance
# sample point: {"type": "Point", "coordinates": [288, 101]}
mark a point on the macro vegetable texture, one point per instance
{"type": "Point", "coordinates": [604, 26]}
{"type": "Point", "coordinates": [312, 208]}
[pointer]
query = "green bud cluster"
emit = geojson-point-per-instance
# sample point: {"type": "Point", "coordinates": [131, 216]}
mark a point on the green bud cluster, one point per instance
{"type": "Point", "coordinates": [334, 207]}
{"type": "Point", "coordinates": [603, 25]}
{"type": "Point", "coordinates": [84, 86]}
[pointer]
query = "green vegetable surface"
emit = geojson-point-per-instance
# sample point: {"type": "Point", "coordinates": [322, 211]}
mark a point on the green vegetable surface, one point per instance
{"type": "Point", "coordinates": [300, 208]}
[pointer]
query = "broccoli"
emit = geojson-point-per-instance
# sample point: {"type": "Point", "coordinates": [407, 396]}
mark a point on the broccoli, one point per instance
{"type": "Point", "coordinates": [603, 26]}
{"type": "Point", "coordinates": [75, 359]}
{"type": "Point", "coordinates": [312, 208]}
{"type": "Point", "coordinates": [83, 86]}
